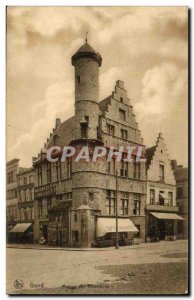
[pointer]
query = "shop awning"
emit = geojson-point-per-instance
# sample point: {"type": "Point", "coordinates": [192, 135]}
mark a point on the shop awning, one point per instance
{"type": "Point", "coordinates": [166, 216]}
{"type": "Point", "coordinates": [105, 225]}
{"type": "Point", "coordinates": [162, 195]}
{"type": "Point", "coordinates": [20, 227]}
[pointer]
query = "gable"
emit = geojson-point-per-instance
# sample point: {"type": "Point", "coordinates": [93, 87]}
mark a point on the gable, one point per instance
{"type": "Point", "coordinates": [159, 156]}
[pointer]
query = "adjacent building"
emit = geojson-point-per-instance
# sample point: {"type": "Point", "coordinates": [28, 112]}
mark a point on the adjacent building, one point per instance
{"type": "Point", "coordinates": [75, 202]}
{"type": "Point", "coordinates": [25, 187]}
{"type": "Point", "coordinates": [11, 193]}
{"type": "Point", "coordinates": [161, 206]}
{"type": "Point", "coordinates": [181, 175]}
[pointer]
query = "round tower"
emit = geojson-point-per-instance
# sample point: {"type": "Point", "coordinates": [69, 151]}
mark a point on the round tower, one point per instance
{"type": "Point", "coordinates": [86, 62]}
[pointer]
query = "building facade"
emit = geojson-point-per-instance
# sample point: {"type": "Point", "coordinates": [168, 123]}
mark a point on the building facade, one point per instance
{"type": "Point", "coordinates": [161, 206]}
{"type": "Point", "coordinates": [25, 188]}
{"type": "Point", "coordinates": [182, 190]}
{"type": "Point", "coordinates": [75, 200]}
{"type": "Point", "coordinates": [12, 211]}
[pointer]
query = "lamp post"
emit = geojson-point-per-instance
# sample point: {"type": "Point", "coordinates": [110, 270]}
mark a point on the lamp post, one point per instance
{"type": "Point", "coordinates": [117, 236]}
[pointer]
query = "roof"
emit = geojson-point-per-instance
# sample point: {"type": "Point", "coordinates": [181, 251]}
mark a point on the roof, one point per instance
{"type": "Point", "coordinates": [87, 51]}
{"type": "Point", "coordinates": [149, 155]}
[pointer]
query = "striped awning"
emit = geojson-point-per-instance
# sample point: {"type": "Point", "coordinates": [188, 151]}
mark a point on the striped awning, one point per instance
{"type": "Point", "coordinates": [20, 227]}
{"type": "Point", "coordinates": [166, 216]}
{"type": "Point", "coordinates": [105, 225]}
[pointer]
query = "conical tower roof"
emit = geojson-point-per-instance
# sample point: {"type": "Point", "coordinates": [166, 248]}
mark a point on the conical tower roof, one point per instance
{"type": "Point", "coordinates": [86, 51]}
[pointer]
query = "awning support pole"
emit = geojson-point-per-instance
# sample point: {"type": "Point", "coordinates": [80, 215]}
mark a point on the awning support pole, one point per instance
{"type": "Point", "coordinates": [117, 236]}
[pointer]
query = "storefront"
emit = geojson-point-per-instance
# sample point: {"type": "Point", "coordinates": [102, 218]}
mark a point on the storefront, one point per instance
{"type": "Point", "coordinates": [162, 226]}
{"type": "Point", "coordinates": [106, 231]}
{"type": "Point", "coordinates": [21, 233]}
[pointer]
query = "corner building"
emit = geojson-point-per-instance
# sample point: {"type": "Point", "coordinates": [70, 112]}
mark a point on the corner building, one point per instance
{"type": "Point", "coordinates": [75, 202]}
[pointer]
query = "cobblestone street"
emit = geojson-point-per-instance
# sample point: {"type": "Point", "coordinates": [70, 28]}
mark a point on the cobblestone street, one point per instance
{"type": "Point", "coordinates": [156, 268]}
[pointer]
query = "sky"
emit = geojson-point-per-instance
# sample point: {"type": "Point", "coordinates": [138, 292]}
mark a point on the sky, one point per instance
{"type": "Point", "coordinates": [146, 47]}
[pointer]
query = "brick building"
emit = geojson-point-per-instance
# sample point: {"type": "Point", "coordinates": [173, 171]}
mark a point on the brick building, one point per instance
{"type": "Point", "coordinates": [161, 205]}
{"type": "Point", "coordinates": [181, 176]}
{"type": "Point", "coordinates": [75, 202]}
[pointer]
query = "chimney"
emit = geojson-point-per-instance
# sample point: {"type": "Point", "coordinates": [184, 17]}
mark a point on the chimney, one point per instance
{"type": "Point", "coordinates": [120, 84]}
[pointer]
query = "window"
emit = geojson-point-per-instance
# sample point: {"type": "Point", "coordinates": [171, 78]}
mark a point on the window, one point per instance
{"type": "Point", "coordinates": [124, 134]}
{"type": "Point", "coordinates": [152, 196]}
{"type": "Point", "coordinates": [124, 204]}
{"type": "Point", "coordinates": [122, 114]}
{"type": "Point", "coordinates": [121, 99]}
{"type": "Point", "coordinates": [110, 166]}
{"type": "Point", "coordinates": [59, 197]}
{"type": "Point", "coordinates": [170, 198]}
{"type": "Point", "coordinates": [25, 180]}
{"type": "Point", "coordinates": [124, 168]}
{"type": "Point", "coordinates": [39, 171]}
{"type": "Point", "coordinates": [136, 205]}
{"type": "Point", "coordinates": [110, 129]}
{"type": "Point", "coordinates": [31, 179]}
{"type": "Point", "coordinates": [74, 236]}
{"type": "Point", "coordinates": [10, 177]}
{"type": "Point", "coordinates": [48, 172]}
{"type": "Point", "coordinates": [48, 203]}
{"type": "Point", "coordinates": [110, 202]}
{"type": "Point", "coordinates": [179, 192]}
{"type": "Point", "coordinates": [58, 170]}
{"type": "Point", "coordinates": [136, 170]}
{"type": "Point", "coordinates": [161, 173]}
{"type": "Point", "coordinates": [75, 217]}
{"type": "Point", "coordinates": [84, 130]}
{"type": "Point", "coordinates": [78, 79]}
{"type": "Point", "coordinates": [69, 196]}
{"type": "Point", "coordinates": [69, 168]}
{"type": "Point", "coordinates": [161, 197]}
{"type": "Point", "coordinates": [40, 209]}
{"type": "Point", "coordinates": [91, 196]}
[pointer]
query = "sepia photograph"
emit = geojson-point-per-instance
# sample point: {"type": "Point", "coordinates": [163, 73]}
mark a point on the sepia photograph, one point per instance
{"type": "Point", "coordinates": [97, 150]}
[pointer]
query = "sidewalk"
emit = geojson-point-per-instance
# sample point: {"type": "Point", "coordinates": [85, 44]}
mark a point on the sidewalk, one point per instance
{"type": "Point", "coordinates": [46, 247]}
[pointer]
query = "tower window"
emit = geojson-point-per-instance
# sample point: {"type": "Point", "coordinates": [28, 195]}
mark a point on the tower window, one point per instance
{"type": "Point", "coordinates": [84, 130]}
{"type": "Point", "coordinates": [121, 99]}
{"type": "Point", "coordinates": [78, 79]}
